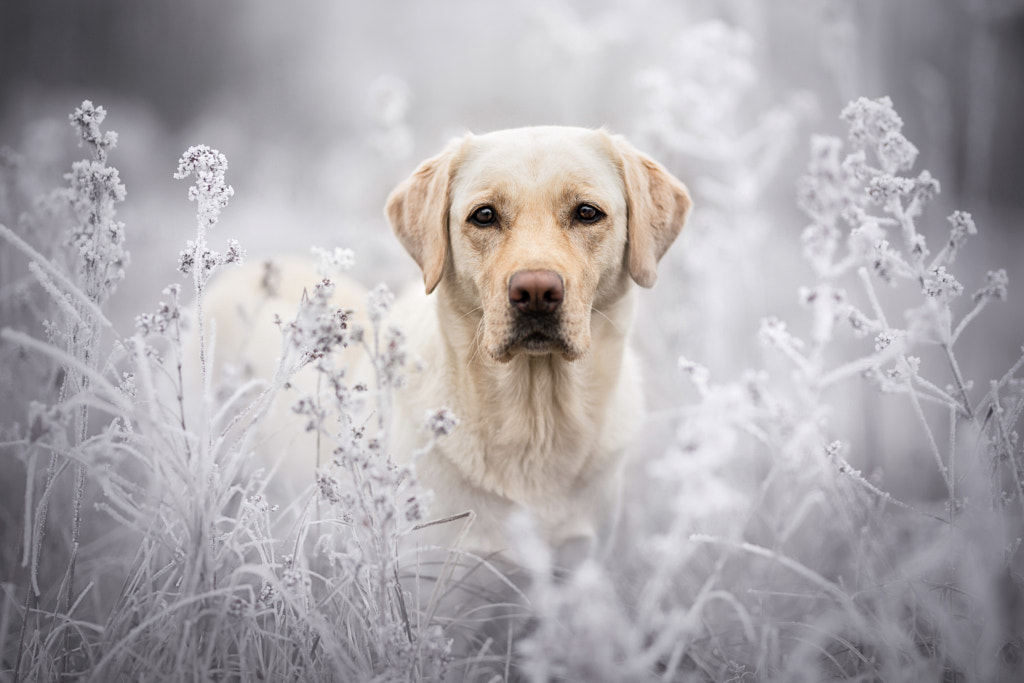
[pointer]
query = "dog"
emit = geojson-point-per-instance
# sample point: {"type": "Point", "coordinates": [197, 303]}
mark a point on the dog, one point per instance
{"type": "Point", "coordinates": [530, 242]}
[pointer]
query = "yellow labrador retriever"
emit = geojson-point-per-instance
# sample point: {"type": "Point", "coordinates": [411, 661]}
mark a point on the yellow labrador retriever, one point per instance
{"type": "Point", "coordinates": [529, 241]}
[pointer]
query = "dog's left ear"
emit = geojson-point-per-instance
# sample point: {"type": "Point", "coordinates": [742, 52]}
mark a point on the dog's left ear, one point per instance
{"type": "Point", "coordinates": [418, 212]}
{"type": "Point", "coordinates": [657, 205]}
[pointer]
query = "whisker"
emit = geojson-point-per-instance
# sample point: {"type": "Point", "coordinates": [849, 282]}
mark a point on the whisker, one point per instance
{"type": "Point", "coordinates": [605, 316]}
{"type": "Point", "coordinates": [468, 313]}
{"type": "Point", "coordinates": [474, 343]}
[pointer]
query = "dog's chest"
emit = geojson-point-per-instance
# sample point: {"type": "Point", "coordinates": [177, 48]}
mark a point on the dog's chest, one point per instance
{"type": "Point", "coordinates": [532, 432]}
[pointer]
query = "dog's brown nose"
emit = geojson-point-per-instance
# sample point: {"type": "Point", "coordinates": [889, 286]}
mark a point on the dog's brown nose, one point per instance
{"type": "Point", "coordinates": [536, 291]}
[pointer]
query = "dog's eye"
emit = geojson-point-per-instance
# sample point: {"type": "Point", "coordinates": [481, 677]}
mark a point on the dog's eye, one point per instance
{"type": "Point", "coordinates": [484, 217]}
{"type": "Point", "coordinates": [585, 213]}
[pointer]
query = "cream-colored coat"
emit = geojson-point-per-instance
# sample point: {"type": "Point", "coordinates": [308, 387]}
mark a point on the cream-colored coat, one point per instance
{"type": "Point", "coordinates": [543, 422]}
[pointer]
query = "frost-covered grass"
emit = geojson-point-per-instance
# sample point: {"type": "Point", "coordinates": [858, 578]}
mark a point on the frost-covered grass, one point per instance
{"type": "Point", "coordinates": [142, 541]}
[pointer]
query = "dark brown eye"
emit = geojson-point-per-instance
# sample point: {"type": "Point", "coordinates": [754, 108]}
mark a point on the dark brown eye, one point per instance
{"type": "Point", "coordinates": [586, 213]}
{"type": "Point", "coordinates": [484, 217]}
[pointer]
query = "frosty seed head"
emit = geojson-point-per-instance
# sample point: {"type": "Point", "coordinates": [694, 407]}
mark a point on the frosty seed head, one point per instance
{"type": "Point", "coordinates": [871, 120]}
{"type": "Point", "coordinates": [940, 284]}
{"type": "Point", "coordinates": [926, 187]}
{"type": "Point", "coordinates": [441, 422]}
{"type": "Point", "coordinates": [86, 119]}
{"type": "Point", "coordinates": [895, 152]}
{"type": "Point", "coordinates": [886, 187]}
{"type": "Point", "coordinates": [209, 190]}
{"type": "Point", "coordinates": [996, 284]}
{"type": "Point", "coordinates": [963, 227]}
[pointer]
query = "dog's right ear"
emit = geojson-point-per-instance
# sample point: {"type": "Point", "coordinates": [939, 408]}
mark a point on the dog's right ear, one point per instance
{"type": "Point", "coordinates": [418, 212]}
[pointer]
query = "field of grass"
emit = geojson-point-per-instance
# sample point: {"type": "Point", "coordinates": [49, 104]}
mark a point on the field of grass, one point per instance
{"type": "Point", "coordinates": [849, 508]}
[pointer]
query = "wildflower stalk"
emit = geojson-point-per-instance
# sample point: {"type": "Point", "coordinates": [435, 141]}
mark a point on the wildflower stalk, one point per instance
{"type": "Point", "coordinates": [211, 194]}
{"type": "Point", "coordinates": [979, 306]}
{"type": "Point", "coordinates": [932, 444]}
{"type": "Point", "coordinates": [965, 401]}
{"type": "Point", "coordinates": [1006, 446]}
{"type": "Point", "coordinates": [869, 287]}
{"type": "Point", "coordinates": [848, 470]}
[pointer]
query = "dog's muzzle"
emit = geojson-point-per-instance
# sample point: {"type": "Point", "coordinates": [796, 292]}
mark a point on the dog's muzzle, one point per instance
{"type": "Point", "coordinates": [535, 297]}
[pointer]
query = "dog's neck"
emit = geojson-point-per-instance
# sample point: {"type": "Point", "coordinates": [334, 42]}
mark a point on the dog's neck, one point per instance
{"type": "Point", "coordinates": [544, 416]}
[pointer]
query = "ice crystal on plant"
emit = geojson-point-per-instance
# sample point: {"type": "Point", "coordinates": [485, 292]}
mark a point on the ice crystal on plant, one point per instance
{"type": "Point", "coordinates": [167, 314]}
{"type": "Point", "coordinates": [234, 254]}
{"type": "Point", "coordinates": [940, 284]}
{"type": "Point", "coordinates": [329, 488]}
{"type": "Point", "coordinates": [209, 191]}
{"type": "Point", "coordinates": [441, 422]}
{"type": "Point", "coordinates": [885, 262]}
{"type": "Point", "coordinates": [905, 369]}
{"type": "Point", "coordinates": [127, 384]}
{"type": "Point", "coordinates": [93, 193]}
{"type": "Point", "coordinates": [895, 152]}
{"type": "Point", "coordinates": [885, 339]}
{"type": "Point", "coordinates": [861, 324]}
{"type": "Point", "coordinates": [885, 188]}
{"type": "Point", "coordinates": [319, 326]}
{"type": "Point", "coordinates": [86, 118]}
{"type": "Point", "coordinates": [773, 334]}
{"type": "Point", "coordinates": [871, 120]}
{"type": "Point", "coordinates": [926, 187]}
{"type": "Point", "coordinates": [963, 225]}
{"type": "Point", "coordinates": [996, 284]}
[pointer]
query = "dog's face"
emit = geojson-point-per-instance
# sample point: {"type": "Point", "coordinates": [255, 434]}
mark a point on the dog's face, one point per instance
{"type": "Point", "coordinates": [535, 228]}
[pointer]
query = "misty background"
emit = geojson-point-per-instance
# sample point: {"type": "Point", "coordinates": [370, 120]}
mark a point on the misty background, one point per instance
{"type": "Point", "coordinates": [322, 107]}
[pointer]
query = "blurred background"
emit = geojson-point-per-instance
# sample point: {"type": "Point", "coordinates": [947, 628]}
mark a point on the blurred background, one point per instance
{"type": "Point", "coordinates": [321, 107]}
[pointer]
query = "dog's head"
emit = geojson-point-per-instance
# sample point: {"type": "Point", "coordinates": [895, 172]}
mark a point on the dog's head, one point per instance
{"type": "Point", "coordinates": [534, 228]}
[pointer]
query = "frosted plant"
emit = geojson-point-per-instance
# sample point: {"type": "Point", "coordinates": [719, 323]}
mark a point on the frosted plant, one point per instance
{"type": "Point", "coordinates": [368, 501]}
{"type": "Point", "coordinates": [386, 350]}
{"type": "Point", "coordinates": [864, 230]}
{"type": "Point", "coordinates": [211, 193]}
{"type": "Point", "coordinates": [760, 551]}
{"type": "Point", "coordinates": [95, 266]}
{"type": "Point", "coordinates": [702, 110]}
{"type": "Point", "coordinates": [209, 578]}
{"type": "Point", "coordinates": [95, 190]}
{"type": "Point", "coordinates": [319, 327]}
